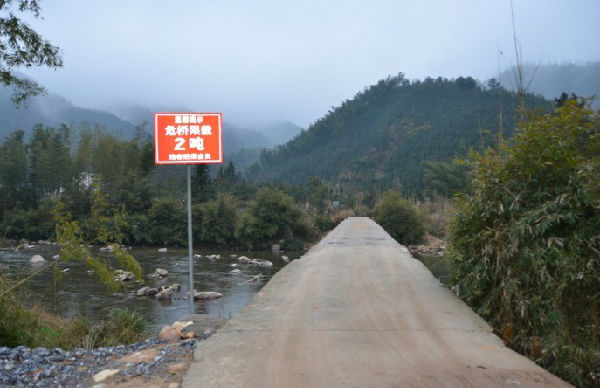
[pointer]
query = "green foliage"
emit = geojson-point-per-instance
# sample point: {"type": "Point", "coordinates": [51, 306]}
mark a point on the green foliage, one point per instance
{"type": "Point", "coordinates": [21, 46]}
{"type": "Point", "coordinates": [168, 225]}
{"type": "Point", "coordinates": [444, 178]}
{"type": "Point", "coordinates": [269, 219]}
{"type": "Point", "coordinates": [219, 218]}
{"type": "Point", "coordinates": [379, 139]}
{"type": "Point", "coordinates": [108, 231]}
{"type": "Point", "coordinates": [399, 218]}
{"type": "Point", "coordinates": [21, 324]}
{"type": "Point", "coordinates": [525, 243]}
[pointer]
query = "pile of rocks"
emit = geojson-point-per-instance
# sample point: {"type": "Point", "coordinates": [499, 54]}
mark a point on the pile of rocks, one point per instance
{"type": "Point", "coordinates": [42, 367]}
{"type": "Point", "coordinates": [158, 361]}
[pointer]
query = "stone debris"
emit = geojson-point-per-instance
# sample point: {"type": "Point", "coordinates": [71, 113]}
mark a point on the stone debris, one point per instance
{"type": "Point", "coordinates": [55, 367]}
{"type": "Point", "coordinates": [285, 259]}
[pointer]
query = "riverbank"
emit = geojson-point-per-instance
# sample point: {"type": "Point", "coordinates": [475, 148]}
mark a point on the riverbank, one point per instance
{"type": "Point", "coordinates": [156, 362]}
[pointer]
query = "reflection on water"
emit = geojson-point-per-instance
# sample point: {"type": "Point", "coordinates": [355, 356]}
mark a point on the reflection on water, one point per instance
{"type": "Point", "coordinates": [80, 294]}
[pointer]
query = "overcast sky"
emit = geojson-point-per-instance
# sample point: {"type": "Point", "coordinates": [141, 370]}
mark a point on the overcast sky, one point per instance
{"type": "Point", "coordinates": [259, 60]}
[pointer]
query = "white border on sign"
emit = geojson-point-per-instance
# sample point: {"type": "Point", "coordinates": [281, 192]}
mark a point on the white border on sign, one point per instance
{"type": "Point", "coordinates": [219, 117]}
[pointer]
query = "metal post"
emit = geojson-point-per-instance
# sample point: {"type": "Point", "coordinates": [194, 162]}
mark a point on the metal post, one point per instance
{"type": "Point", "coordinates": [190, 248]}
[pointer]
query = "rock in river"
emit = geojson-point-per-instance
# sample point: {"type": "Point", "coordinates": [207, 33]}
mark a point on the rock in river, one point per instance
{"type": "Point", "coordinates": [244, 260]}
{"type": "Point", "coordinates": [163, 250]}
{"type": "Point", "coordinates": [159, 273]}
{"type": "Point", "coordinates": [207, 295]}
{"type": "Point", "coordinates": [36, 259]}
{"type": "Point", "coordinates": [166, 294]}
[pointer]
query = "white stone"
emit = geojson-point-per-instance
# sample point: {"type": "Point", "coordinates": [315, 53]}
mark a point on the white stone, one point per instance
{"type": "Point", "coordinates": [163, 250]}
{"type": "Point", "coordinates": [244, 259]}
{"type": "Point", "coordinates": [106, 373]}
{"type": "Point", "coordinates": [234, 271]}
{"type": "Point", "coordinates": [35, 259]}
{"type": "Point", "coordinates": [55, 257]}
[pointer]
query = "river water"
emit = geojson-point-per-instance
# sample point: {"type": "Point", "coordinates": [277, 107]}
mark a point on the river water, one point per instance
{"type": "Point", "coordinates": [80, 294]}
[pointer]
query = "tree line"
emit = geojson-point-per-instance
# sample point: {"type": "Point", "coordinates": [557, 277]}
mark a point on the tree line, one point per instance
{"type": "Point", "coordinates": [65, 166]}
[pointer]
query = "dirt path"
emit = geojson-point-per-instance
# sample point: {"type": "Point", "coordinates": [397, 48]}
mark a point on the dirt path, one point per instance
{"type": "Point", "coordinates": [359, 311]}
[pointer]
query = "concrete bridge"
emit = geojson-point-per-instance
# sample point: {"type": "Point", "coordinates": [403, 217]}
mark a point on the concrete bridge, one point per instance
{"type": "Point", "coordinates": [358, 311]}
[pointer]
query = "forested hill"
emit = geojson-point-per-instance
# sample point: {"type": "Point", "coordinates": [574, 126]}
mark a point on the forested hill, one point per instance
{"type": "Point", "coordinates": [381, 137]}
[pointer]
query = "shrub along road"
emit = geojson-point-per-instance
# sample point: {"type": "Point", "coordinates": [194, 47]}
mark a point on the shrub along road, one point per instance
{"type": "Point", "coordinates": [358, 310]}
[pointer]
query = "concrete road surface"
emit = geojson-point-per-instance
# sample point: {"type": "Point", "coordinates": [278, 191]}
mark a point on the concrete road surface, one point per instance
{"type": "Point", "coordinates": [358, 311]}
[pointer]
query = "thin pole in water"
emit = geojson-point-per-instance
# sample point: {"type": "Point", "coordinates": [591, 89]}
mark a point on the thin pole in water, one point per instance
{"type": "Point", "coordinates": [190, 248]}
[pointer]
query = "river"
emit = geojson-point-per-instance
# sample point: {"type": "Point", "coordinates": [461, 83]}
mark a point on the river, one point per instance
{"type": "Point", "coordinates": [80, 293]}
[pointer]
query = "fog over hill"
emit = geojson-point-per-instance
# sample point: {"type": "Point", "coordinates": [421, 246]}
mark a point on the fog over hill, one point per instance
{"type": "Point", "coordinates": [550, 80]}
{"type": "Point", "coordinates": [54, 110]}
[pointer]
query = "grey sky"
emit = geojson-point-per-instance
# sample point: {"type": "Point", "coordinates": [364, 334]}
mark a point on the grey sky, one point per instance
{"type": "Point", "coordinates": [264, 60]}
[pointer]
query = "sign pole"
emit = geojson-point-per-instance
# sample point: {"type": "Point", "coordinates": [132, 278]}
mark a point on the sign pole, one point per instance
{"type": "Point", "coordinates": [188, 138]}
{"type": "Point", "coordinates": [190, 248]}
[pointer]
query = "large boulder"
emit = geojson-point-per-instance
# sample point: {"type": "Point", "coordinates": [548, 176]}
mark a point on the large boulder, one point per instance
{"type": "Point", "coordinates": [36, 259]}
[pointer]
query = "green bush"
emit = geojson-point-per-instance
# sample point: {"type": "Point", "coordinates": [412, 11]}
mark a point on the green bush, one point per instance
{"type": "Point", "coordinates": [218, 221]}
{"type": "Point", "coordinates": [400, 219]}
{"type": "Point", "coordinates": [273, 217]}
{"type": "Point", "coordinates": [525, 243]}
{"type": "Point", "coordinates": [168, 222]}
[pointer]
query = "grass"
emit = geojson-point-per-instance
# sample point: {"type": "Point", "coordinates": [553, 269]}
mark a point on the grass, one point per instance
{"type": "Point", "coordinates": [30, 325]}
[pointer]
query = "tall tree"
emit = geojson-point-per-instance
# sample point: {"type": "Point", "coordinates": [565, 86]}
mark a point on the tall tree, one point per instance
{"type": "Point", "coordinates": [20, 46]}
{"type": "Point", "coordinates": [202, 185]}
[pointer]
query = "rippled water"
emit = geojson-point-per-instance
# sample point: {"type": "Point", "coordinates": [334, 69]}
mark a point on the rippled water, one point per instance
{"type": "Point", "coordinates": [80, 294]}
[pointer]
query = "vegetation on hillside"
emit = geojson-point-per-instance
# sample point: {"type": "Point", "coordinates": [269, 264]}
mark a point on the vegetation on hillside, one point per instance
{"type": "Point", "coordinates": [525, 242]}
{"type": "Point", "coordinates": [379, 139]}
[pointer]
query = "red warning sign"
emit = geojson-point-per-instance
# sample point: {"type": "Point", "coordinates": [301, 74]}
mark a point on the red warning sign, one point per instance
{"type": "Point", "coordinates": [188, 138]}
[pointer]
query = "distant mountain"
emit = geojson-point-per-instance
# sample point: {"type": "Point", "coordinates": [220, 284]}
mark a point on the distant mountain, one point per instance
{"type": "Point", "coordinates": [280, 132]}
{"type": "Point", "coordinates": [380, 138]}
{"type": "Point", "coordinates": [53, 110]}
{"type": "Point", "coordinates": [552, 79]}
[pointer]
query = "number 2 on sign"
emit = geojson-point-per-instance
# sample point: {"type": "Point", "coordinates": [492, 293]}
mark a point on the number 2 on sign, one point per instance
{"type": "Point", "coordinates": [180, 142]}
